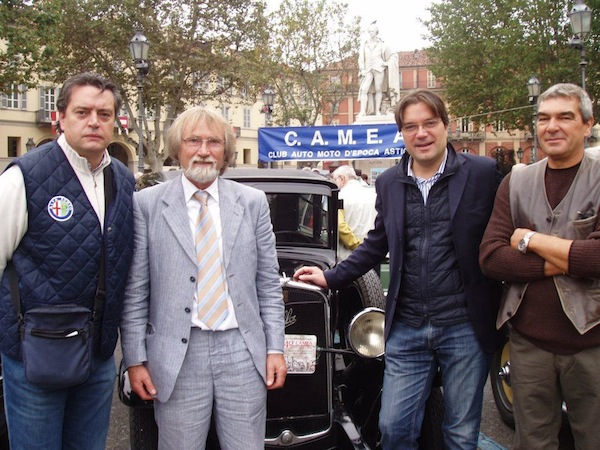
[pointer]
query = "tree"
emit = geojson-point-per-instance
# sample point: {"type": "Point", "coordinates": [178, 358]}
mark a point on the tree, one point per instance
{"type": "Point", "coordinates": [23, 26]}
{"type": "Point", "coordinates": [314, 50]}
{"type": "Point", "coordinates": [486, 50]}
{"type": "Point", "coordinates": [200, 50]}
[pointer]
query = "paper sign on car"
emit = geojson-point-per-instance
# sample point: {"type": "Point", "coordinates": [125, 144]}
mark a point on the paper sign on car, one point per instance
{"type": "Point", "coordinates": [300, 353]}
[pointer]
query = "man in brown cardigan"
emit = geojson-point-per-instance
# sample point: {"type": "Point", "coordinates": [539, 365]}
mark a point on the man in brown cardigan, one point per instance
{"type": "Point", "coordinates": [543, 239]}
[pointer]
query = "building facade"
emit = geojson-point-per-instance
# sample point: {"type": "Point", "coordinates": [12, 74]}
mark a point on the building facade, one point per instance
{"type": "Point", "coordinates": [28, 119]}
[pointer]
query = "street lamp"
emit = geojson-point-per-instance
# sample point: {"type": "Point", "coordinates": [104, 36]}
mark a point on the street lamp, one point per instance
{"type": "Point", "coordinates": [268, 98]}
{"type": "Point", "coordinates": [534, 87]}
{"type": "Point", "coordinates": [29, 144]}
{"type": "Point", "coordinates": [138, 47]}
{"type": "Point", "coordinates": [520, 154]}
{"type": "Point", "coordinates": [581, 24]}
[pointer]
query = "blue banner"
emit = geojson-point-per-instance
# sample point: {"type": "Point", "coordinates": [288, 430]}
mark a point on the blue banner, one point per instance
{"type": "Point", "coordinates": [329, 143]}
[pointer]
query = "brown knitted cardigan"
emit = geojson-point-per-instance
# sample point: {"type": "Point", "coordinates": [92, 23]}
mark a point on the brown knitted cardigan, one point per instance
{"type": "Point", "coordinates": [540, 318]}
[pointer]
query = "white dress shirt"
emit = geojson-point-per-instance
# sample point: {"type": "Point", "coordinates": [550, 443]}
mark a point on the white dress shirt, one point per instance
{"type": "Point", "coordinates": [13, 220]}
{"type": "Point", "coordinates": [193, 208]}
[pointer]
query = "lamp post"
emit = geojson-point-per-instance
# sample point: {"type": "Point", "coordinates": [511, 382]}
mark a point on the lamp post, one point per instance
{"type": "Point", "coordinates": [268, 98]}
{"type": "Point", "coordinates": [29, 144]}
{"type": "Point", "coordinates": [520, 154]}
{"type": "Point", "coordinates": [534, 87]}
{"type": "Point", "coordinates": [581, 24]}
{"type": "Point", "coordinates": [138, 47]}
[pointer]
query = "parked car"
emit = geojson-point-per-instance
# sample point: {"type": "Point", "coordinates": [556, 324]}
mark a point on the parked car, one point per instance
{"type": "Point", "coordinates": [334, 339]}
{"type": "Point", "coordinates": [500, 383]}
{"type": "Point", "coordinates": [502, 388]}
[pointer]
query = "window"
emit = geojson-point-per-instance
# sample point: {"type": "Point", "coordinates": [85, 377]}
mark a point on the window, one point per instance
{"type": "Point", "coordinates": [224, 86]}
{"type": "Point", "coordinates": [48, 97]}
{"type": "Point", "coordinates": [299, 218]}
{"type": "Point", "coordinates": [201, 84]}
{"type": "Point", "coordinates": [303, 97]}
{"type": "Point", "coordinates": [466, 126]}
{"type": "Point", "coordinates": [225, 111]}
{"type": "Point", "coordinates": [13, 147]}
{"type": "Point", "coordinates": [499, 125]}
{"type": "Point", "coordinates": [247, 116]}
{"type": "Point", "coordinates": [16, 99]}
{"type": "Point", "coordinates": [430, 79]}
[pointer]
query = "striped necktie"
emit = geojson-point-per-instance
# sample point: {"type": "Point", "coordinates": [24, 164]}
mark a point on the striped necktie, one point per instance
{"type": "Point", "coordinates": [210, 288]}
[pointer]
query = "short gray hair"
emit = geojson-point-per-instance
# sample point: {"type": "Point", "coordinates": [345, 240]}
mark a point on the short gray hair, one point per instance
{"type": "Point", "coordinates": [346, 171]}
{"type": "Point", "coordinates": [569, 90]}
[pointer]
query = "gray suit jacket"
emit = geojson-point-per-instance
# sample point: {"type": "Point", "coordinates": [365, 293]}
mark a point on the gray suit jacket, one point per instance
{"type": "Point", "coordinates": [156, 321]}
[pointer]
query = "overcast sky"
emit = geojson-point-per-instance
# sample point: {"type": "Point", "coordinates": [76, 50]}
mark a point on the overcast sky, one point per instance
{"type": "Point", "coordinates": [397, 20]}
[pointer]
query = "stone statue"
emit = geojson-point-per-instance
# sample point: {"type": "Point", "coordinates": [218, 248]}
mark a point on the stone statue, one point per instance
{"type": "Point", "coordinates": [378, 68]}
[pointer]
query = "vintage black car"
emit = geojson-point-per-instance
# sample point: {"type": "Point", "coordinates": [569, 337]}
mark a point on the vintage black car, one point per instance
{"type": "Point", "coordinates": [502, 388]}
{"type": "Point", "coordinates": [334, 339]}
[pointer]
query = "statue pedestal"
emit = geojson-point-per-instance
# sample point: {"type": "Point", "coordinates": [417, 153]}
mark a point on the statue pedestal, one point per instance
{"type": "Point", "coordinates": [378, 119]}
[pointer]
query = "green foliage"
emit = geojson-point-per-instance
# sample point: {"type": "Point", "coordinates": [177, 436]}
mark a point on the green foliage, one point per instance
{"type": "Point", "coordinates": [200, 50]}
{"type": "Point", "coordinates": [191, 43]}
{"type": "Point", "coordinates": [486, 50]}
{"type": "Point", "coordinates": [313, 56]}
{"type": "Point", "coordinates": [23, 26]}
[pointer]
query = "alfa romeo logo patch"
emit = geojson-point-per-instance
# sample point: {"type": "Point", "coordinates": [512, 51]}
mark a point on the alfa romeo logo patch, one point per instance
{"type": "Point", "coordinates": [60, 208]}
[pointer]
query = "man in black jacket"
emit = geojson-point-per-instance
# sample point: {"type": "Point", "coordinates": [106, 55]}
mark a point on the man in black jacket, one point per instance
{"type": "Point", "coordinates": [432, 210]}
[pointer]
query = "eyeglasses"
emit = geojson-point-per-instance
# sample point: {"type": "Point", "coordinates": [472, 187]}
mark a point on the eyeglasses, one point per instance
{"type": "Point", "coordinates": [428, 125]}
{"type": "Point", "coordinates": [194, 143]}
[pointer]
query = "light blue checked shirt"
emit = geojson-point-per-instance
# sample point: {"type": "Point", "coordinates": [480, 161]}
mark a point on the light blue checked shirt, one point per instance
{"type": "Point", "coordinates": [425, 184]}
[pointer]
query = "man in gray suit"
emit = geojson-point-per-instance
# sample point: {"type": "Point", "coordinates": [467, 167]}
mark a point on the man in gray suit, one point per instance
{"type": "Point", "coordinates": [193, 364]}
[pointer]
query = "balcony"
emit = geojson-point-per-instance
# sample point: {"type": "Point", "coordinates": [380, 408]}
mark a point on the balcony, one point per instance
{"type": "Point", "coordinates": [43, 117]}
{"type": "Point", "coordinates": [468, 136]}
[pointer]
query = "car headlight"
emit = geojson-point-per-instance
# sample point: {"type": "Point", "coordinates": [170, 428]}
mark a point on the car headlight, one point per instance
{"type": "Point", "coordinates": [366, 333]}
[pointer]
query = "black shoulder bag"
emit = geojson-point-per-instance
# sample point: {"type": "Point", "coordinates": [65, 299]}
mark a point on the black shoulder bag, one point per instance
{"type": "Point", "coordinates": [57, 342]}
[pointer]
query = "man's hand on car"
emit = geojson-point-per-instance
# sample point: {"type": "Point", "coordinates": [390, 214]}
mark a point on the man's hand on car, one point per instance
{"type": "Point", "coordinates": [312, 275]}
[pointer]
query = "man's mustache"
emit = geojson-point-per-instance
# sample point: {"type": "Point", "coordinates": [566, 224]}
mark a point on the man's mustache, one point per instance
{"type": "Point", "coordinates": [207, 159]}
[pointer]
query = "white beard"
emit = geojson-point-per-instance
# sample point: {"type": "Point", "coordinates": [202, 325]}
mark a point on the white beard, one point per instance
{"type": "Point", "coordinates": [202, 174]}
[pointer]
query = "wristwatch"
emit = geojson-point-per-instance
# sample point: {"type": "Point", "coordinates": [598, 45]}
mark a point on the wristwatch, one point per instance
{"type": "Point", "coordinates": [524, 242]}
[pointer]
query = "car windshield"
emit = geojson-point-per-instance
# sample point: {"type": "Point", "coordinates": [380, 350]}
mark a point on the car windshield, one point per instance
{"type": "Point", "coordinates": [300, 218]}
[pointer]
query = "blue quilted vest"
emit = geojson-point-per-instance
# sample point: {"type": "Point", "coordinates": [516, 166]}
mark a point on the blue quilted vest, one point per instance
{"type": "Point", "coordinates": [58, 259]}
{"type": "Point", "coordinates": [432, 287]}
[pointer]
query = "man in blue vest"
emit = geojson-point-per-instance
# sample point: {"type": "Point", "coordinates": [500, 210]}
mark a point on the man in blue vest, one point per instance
{"type": "Point", "coordinates": [432, 209]}
{"type": "Point", "coordinates": [55, 227]}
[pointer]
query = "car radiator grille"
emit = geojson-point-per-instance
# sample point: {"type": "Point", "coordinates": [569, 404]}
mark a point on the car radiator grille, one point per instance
{"type": "Point", "coordinates": [304, 404]}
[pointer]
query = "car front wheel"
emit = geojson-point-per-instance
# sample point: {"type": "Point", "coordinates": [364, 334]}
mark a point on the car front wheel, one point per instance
{"type": "Point", "coordinates": [500, 382]}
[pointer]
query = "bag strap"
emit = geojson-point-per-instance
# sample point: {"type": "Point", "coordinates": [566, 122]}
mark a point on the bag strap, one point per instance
{"type": "Point", "coordinates": [108, 198]}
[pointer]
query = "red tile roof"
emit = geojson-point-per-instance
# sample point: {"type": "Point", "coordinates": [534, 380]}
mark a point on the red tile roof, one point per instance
{"type": "Point", "coordinates": [413, 59]}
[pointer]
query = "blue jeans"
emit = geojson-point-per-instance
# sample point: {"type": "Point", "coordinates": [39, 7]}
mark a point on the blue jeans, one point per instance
{"type": "Point", "coordinates": [74, 418]}
{"type": "Point", "coordinates": [412, 358]}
